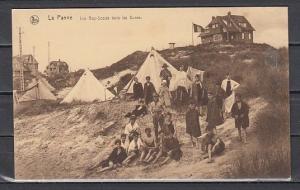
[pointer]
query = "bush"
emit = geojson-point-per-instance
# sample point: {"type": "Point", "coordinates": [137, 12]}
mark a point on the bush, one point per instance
{"type": "Point", "coordinates": [269, 157]}
{"type": "Point", "coordinates": [266, 162]}
{"type": "Point", "coordinates": [272, 125]}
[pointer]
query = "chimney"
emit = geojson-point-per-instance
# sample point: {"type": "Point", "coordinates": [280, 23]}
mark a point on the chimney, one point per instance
{"type": "Point", "coordinates": [171, 45]}
{"type": "Point", "coordinates": [229, 13]}
{"type": "Point", "coordinates": [212, 18]}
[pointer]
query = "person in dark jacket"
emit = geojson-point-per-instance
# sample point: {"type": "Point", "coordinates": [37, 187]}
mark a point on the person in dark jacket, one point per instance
{"type": "Point", "coordinates": [197, 91]}
{"type": "Point", "coordinates": [115, 159]}
{"type": "Point", "coordinates": [240, 112]}
{"type": "Point", "coordinates": [149, 90]}
{"type": "Point", "coordinates": [192, 123]}
{"type": "Point", "coordinates": [138, 90]}
{"type": "Point", "coordinates": [165, 74]}
{"type": "Point", "coordinates": [214, 114]}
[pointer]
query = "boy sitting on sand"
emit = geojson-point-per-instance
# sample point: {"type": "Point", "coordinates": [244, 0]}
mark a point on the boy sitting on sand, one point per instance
{"type": "Point", "coordinates": [212, 145]}
{"type": "Point", "coordinates": [133, 148]}
{"type": "Point", "coordinates": [115, 159]}
{"type": "Point", "coordinates": [149, 148]}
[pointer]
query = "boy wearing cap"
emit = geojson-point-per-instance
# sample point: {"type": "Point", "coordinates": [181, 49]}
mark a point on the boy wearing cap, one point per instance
{"type": "Point", "coordinates": [240, 112]}
{"type": "Point", "coordinates": [149, 90]}
{"type": "Point", "coordinates": [165, 74]}
{"type": "Point", "coordinates": [131, 127]}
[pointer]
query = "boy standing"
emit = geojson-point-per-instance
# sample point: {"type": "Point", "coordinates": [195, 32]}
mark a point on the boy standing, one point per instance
{"type": "Point", "coordinates": [149, 90]}
{"type": "Point", "coordinates": [156, 109]}
{"type": "Point", "coordinates": [240, 112]}
{"type": "Point", "coordinates": [192, 123]}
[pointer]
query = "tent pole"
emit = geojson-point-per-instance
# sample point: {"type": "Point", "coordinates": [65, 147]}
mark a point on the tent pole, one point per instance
{"type": "Point", "coordinates": [193, 34]}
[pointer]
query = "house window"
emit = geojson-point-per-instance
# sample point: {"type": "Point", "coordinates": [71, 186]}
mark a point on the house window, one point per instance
{"type": "Point", "coordinates": [243, 35]}
{"type": "Point", "coordinates": [250, 36]}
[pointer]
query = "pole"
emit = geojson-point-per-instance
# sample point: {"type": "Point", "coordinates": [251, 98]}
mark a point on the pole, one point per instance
{"type": "Point", "coordinates": [48, 52]}
{"type": "Point", "coordinates": [22, 81]}
{"type": "Point", "coordinates": [193, 34]}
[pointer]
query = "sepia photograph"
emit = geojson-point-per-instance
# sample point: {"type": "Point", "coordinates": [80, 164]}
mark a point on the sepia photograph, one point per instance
{"type": "Point", "coordinates": [151, 94]}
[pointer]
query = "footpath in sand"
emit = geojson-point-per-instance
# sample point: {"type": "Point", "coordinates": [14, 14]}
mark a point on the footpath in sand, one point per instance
{"type": "Point", "coordinates": [62, 144]}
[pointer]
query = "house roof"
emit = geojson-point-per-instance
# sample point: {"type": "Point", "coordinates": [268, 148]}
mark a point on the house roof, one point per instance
{"type": "Point", "coordinates": [57, 63]}
{"type": "Point", "coordinates": [26, 60]}
{"type": "Point", "coordinates": [239, 24]}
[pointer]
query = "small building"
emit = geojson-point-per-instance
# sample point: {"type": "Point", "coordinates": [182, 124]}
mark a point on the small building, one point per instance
{"type": "Point", "coordinates": [26, 64]}
{"type": "Point", "coordinates": [171, 45]}
{"type": "Point", "coordinates": [56, 68]}
{"type": "Point", "coordinates": [228, 28]}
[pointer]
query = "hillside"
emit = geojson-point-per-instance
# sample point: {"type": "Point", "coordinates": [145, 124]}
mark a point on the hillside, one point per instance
{"type": "Point", "coordinates": [215, 59]}
{"type": "Point", "coordinates": [71, 139]}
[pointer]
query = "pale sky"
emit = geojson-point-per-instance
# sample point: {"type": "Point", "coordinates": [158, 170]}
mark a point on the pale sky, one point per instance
{"type": "Point", "coordinates": [99, 43]}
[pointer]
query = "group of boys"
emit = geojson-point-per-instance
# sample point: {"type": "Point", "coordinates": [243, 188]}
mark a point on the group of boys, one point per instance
{"type": "Point", "coordinates": [149, 148]}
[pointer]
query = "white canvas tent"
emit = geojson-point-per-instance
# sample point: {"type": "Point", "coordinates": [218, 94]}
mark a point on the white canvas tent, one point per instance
{"type": "Point", "coordinates": [152, 67]}
{"type": "Point", "coordinates": [49, 86]}
{"type": "Point", "coordinates": [88, 89]}
{"type": "Point", "coordinates": [37, 91]}
{"type": "Point", "coordinates": [42, 80]}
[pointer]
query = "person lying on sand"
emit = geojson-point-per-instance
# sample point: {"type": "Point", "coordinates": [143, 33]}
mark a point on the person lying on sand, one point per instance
{"type": "Point", "coordinates": [140, 109]}
{"type": "Point", "coordinates": [149, 147]}
{"type": "Point", "coordinates": [133, 148]}
{"type": "Point", "coordinates": [212, 145]}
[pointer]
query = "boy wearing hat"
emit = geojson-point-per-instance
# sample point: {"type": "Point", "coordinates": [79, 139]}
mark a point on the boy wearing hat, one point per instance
{"type": "Point", "coordinates": [149, 90]}
{"type": "Point", "coordinates": [131, 127]}
{"type": "Point", "coordinates": [165, 74]}
{"type": "Point", "coordinates": [240, 112]}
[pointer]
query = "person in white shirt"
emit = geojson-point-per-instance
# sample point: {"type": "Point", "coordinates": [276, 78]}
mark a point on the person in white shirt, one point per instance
{"type": "Point", "coordinates": [228, 85]}
{"type": "Point", "coordinates": [131, 127]}
{"type": "Point", "coordinates": [133, 148]}
{"type": "Point", "coordinates": [181, 85]}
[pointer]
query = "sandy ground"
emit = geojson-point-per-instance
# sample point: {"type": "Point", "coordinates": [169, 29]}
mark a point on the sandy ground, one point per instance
{"type": "Point", "coordinates": [62, 144]}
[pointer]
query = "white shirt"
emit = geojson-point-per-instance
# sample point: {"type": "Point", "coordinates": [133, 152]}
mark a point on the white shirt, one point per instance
{"type": "Point", "coordinates": [129, 128]}
{"type": "Point", "coordinates": [134, 145]}
{"type": "Point", "coordinates": [233, 84]}
{"type": "Point", "coordinates": [181, 78]}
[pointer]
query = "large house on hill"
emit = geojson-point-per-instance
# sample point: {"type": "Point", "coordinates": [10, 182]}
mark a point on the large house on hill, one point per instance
{"type": "Point", "coordinates": [228, 28]}
{"type": "Point", "coordinates": [57, 67]}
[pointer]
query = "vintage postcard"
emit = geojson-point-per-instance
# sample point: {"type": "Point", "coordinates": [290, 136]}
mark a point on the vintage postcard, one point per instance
{"type": "Point", "coordinates": [151, 94]}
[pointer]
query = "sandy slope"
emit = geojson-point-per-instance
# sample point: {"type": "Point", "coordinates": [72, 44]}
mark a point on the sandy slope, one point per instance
{"type": "Point", "coordinates": [63, 144]}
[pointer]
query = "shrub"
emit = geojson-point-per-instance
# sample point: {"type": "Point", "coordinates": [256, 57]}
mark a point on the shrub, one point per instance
{"type": "Point", "coordinates": [270, 155]}
{"type": "Point", "coordinates": [266, 162]}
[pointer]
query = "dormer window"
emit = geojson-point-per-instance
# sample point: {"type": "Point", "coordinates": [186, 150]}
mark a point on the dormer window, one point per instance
{"type": "Point", "coordinates": [243, 24]}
